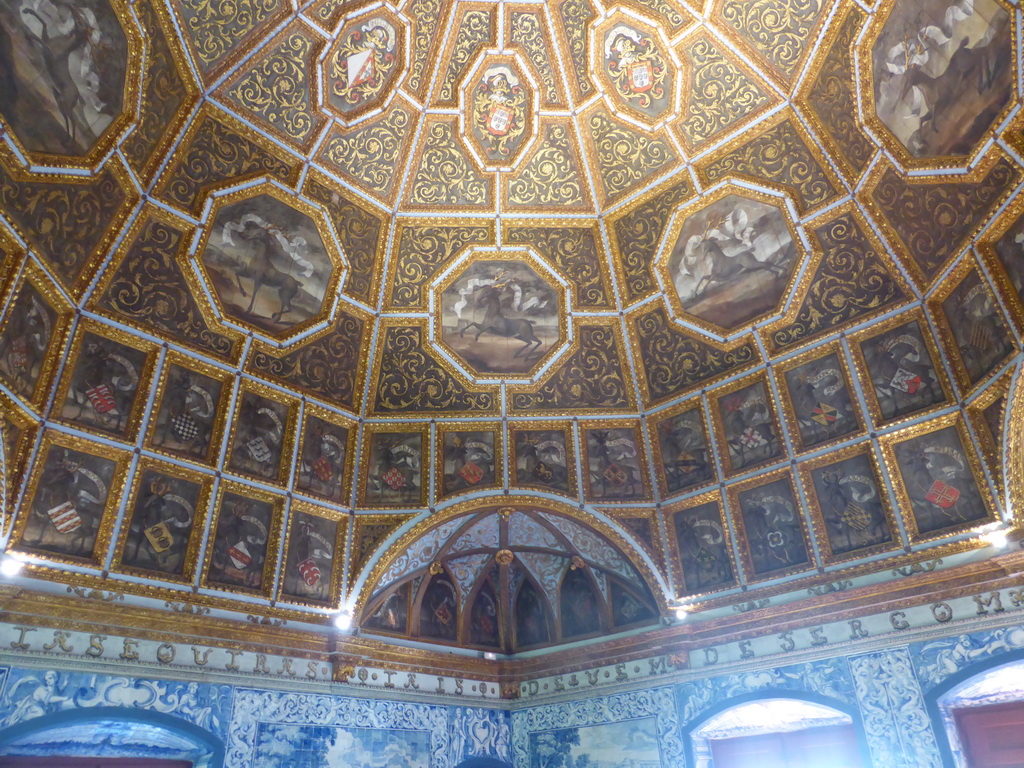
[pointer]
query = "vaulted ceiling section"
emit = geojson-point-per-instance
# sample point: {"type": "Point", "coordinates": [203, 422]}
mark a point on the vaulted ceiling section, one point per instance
{"type": "Point", "coordinates": [505, 325]}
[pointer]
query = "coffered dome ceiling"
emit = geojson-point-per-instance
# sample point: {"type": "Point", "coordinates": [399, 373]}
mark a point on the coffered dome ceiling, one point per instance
{"type": "Point", "coordinates": [467, 316]}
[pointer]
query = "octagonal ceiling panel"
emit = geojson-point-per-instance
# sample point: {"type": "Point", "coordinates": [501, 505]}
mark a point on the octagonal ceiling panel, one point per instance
{"type": "Point", "coordinates": [919, 53]}
{"type": "Point", "coordinates": [270, 262]}
{"type": "Point", "coordinates": [342, 269]}
{"type": "Point", "coordinates": [71, 76]}
{"type": "Point", "coordinates": [731, 258]}
{"type": "Point", "coordinates": [502, 318]}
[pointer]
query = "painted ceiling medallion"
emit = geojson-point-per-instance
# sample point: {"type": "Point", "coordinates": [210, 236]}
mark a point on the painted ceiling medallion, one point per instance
{"type": "Point", "coordinates": [499, 112]}
{"type": "Point", "coordinates": [730, 261]}
{"type": "Point", "coordinates": [68, 74]}
{"type": "Point", "coordinates": [268, 263]}
{"type": "Point", "coordinates": [636, 68]}
{"type": "Point", "coordinates": [501, 316]}
{"type": "Point", "coordinates": [363, 65]}
{"type": "Point", "coordinates": [941, 74]}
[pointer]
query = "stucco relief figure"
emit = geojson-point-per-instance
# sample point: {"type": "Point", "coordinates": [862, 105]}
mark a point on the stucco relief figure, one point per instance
{"type": "Point", "coordinates": [69, 503]}
{"type": "Point", "coordinates": [732, 261]}
{"type": "Point", "coordinates": [267, 264]}
{"type": "Point", "coordinates": [943, 72]}
{"type": "Point", "coordinates": [62, 70]}
{"type": "Point", "coordinates": [500, 317]}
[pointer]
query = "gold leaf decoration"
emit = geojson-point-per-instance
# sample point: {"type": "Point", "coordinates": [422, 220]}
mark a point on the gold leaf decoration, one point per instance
{"type": "Point", "coordinates": [275, 88]}
{"type": "Point", "coordinates": [576, 16]}
{"type": "Point", "coordinates": [551, 177]}
{"type": "Point", "coordinates": [626, 157]}
{"type": "Point", "coordinates": [527, 31]}
{"type": "Point", "coordinates": [851, 282]}
{"type": "Point", "coordinates": [668, 12]}
{"type": "Point", "coordinates": [426, 16]}
{"type": "Point", "coordinates": [779, 32]}
{"type": "Point", "coordinates": [782, 157]}
{"type": "Point", "coordinates": [474, 33]}
{"type": "Point", "coordinates": [721, 94]}
{"type": "Point", "coordinates": [445, 177]}
{"type": "Point", "coordinates": [368, 532]}
{"type": "Point", "coordinates": [370, 154]}
{"type": "Point", "coordinates": [933, 220]}
{"type": "Point", "coordinates": [637, 235]}
{"type": "Point", "coordinates": [146, 287]}
{"type": "Point", "coordinates": [359, 232]}
{"type": "Point", "coordinates": [216, 154]}
{"type": "Point", "coordinates": [164, 95]}
{"type": "Point", "coordinates": [574, 251]}
{"type": "Point", "coordinates": [67, 224]}
{"type": "Point", "coordinates": [674, 362]}
{"type": "Point", "coordinates": [590, 379]}
{"type": "Point", "coordinates": [327, 12]}
{"type": "Point", "coordinates": [215, 29]}
{"type": "Point", "coordinates": [833, 101]}
{"type": "Point", "coordinates": [412, 381]}
{"type": "Point", "coordinates": [326, 367]}
{"type": "Point", "coordinates": [422, 251]}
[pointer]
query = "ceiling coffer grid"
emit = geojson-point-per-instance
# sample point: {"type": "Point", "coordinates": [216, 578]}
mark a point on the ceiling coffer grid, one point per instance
{"type": "Point", "coordinates": [280, 282]}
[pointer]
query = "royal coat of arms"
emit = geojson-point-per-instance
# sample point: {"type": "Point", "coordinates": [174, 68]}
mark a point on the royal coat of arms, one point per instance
{"type": "Point", "coordinates": [636, 68]}
{"type": "Point", "coordinates": [499, 111]}
{"type": "Point", "coordinates": [362, 64]}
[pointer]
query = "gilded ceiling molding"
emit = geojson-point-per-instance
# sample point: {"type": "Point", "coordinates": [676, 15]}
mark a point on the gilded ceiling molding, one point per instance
{"type": "Point", "coordinates": [782, 156]}
{"type": "Point", "coordinates": [92, 209]}
{"type": "Point", "coordinates": [218, 152]}
{"type": "Point", "coordinates": [147, 287]}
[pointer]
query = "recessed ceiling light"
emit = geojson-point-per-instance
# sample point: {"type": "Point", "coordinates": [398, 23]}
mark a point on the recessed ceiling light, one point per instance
{"type": "Point", "coordinates": [11, 566]}
{"type": "Point", "coordinates": [343, 621]}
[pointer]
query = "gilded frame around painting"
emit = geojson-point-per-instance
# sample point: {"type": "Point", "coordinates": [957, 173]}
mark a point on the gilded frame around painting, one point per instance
{"type": "Point", "coordinates": [611, 473]}
{"type": "Point", "coordinates": [441, 432]}
{"type": "Point", "coordinates": [972, 467]}
{"type": "Point", "coordinates": [338, 576]}
{"type": "Point", "coordinates": [656, 423]}
{"type": "Point", "coordinates": [822, 528]}
{"type": "Point", "coordinates": [683, 587]}
{"type": "Point", "coordinates": [533, 457]}
{"type": "Point", "coordinates": [194, 539]}
{"type": "Point", "coordinates": [103, 521]}
{"type": "Point", "coordinates": [287, 428]}
{"type": "Point", "coordinates": [371, 453]}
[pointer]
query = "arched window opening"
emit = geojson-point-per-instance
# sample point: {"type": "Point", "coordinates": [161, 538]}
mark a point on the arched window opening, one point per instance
{"type": "Point", "coordinates": [108, 738]}
{"type": "Point", "coordinates": [984, 718]}
{"type": "Point", "coordinates": [777, 733]}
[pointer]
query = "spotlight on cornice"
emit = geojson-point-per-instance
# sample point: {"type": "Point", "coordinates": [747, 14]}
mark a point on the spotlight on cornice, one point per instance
{"type": "Point", "coordinates": [999, 538]}
{"type": "Point", "coordinates": [343, 621]}
{"type": "Point", "coordinates": [10, 566]}
{"type": "Point", "coordinates": [681, 612]}
{"type": "Point", "coordinates": [490, 656]}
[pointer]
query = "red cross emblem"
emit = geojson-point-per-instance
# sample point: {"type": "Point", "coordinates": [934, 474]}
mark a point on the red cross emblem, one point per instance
{"type": "Point", "coordinates": [943, 494]}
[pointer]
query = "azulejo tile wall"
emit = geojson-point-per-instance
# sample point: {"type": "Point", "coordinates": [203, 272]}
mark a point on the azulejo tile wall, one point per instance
{"type": "Point", "coordinates": [885, 690]}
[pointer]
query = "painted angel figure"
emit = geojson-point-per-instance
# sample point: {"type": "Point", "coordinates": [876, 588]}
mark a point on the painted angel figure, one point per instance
{"type": "Point", "coordinates": [47, 697]}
